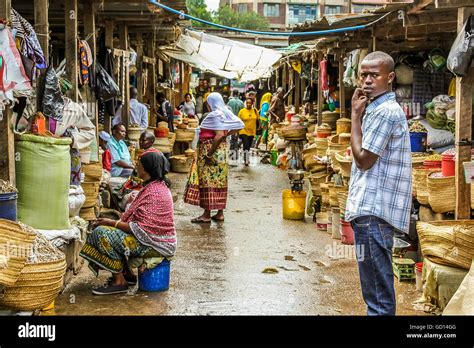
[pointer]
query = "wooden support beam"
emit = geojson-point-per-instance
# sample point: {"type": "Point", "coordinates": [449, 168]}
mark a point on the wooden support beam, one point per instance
{"type": "Point", "coordinates": [7, 141]}
{"type": "Point", "coordinates": [123, 35]}
{"type": "Point", "coordinates": [452, 3]}
{"type": "Point", "coordinates": [42, 25]}
{"type": "Point", "coordinates": [297, 92]}
{"type": "Point", "coordinates": [152, 78]}
{"type": "Point", "coordinates": [427, 30]}
{"type": "Point", "coordinates": [342, 90]}
{"type": "Point", "coordinates": [89, 29]}
{"type": "Point", "coordinates": [109, 43]}
{"type": "Point", "coordinates": [70, 14]}
{"type": "Point", "coordinates": [463, 137]}
{"type": "Point", "coordinates": [420, 6]}
{"type": "Point", "coordinates": [320, 94]}
{"type": "Point", "coordinates": [291, 73]}
{"type": "Point", "coordinates": [140, 65]}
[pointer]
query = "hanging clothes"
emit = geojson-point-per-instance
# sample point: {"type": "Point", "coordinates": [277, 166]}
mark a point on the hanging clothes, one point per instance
{"type": "Point", "coordinates": [324, 75]}
{"type": "Point", "coordinates": [26, 40]}
{"type": "Point", "coordinates": [85, 59]}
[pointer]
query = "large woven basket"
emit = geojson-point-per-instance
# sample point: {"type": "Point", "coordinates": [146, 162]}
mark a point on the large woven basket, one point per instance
{"type": "Point", "coordinates": [472, 196]}
{"type": "Point", "coordinates": [184, 135]}
{"type": "Point", "coordinates": [14, 246]}
{"type": "Point", "coordinates": [293, 133]}
{"type": "Point", "coordinates": [322, 146]}
{"type": "Point", "coordinates": [172, 138]}
{"type": "Point", "coordinates": [331, 118]}
{"type": "Point", "coordinates": [88, 214]}
{"type": "Point", "coordinates": [333, 194]}
{"type": "Point", "coordinates": [344, 165]}
{"type": "Point", "coordinates": [316, 179]}
{"type": "Point", "coordinates": [37, 286]}
{"type": "Point", "coordinates": [181, 164]}
{"type": "Point", "coordinates": [325, 192]}
{"type": "Point", "coordinates": [342, 200]}
{"type": "Point", "coordinates": [441, 193]}
{"type": "Point", "coordinates": [420, 185]}
{"type": "Point", "coordinates": [91, 191]}
{"type": "Point", "coordinates": [92, 171]}
{"type": "Point", "coordinates": [448, 242]}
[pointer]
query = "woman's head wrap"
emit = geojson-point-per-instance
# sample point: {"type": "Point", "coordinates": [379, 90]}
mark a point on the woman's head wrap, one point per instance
{"type": "Point", "coordinates": [220, 117]}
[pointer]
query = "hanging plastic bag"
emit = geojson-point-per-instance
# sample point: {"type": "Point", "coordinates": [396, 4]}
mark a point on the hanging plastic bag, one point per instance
{"type": "Point", "coordinates": [53, 101]}
{"type": "Point", "coordinates": [462, 50]}
{"type": "Point", "coordinates": [106, 88]}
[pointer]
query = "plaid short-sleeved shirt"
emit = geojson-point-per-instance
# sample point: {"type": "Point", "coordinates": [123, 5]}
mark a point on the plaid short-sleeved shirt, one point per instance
{"type": "Point", "coordinates": [384, 190]}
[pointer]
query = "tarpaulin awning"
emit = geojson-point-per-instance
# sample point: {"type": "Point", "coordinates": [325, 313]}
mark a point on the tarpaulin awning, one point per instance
{"type": "Point", "coordinates": [223, 57]}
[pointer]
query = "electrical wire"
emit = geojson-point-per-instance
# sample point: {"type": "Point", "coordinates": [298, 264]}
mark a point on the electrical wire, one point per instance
{"type": "Point", "coordinates": [273, 33]}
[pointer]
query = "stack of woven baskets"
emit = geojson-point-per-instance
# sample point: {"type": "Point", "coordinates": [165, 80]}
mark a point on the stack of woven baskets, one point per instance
{"type": "Point", "coordinates": [90, 208]}
{"type": "Point", "coordinates": [38, 276]}
{"type": "Point", "coordinates": [441, 192]}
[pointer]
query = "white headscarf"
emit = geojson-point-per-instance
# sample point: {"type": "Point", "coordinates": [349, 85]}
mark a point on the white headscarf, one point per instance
{"type": "Point", "coordinates": [221, 117]}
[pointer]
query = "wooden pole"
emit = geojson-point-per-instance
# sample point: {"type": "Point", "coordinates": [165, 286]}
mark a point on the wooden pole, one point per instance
{"type": "Point", "coordinates": [320, 94]}
{"type": "Point", "coordinates": [109, 43]}
{"type": "Point", "coordinates": [342, 92]}
{"type": "Point", "coordinates": [297, 92]}
{"type": "Point", "coordinates": [42, 31]}
{"type": "Point", "coordinates": [463, 130]}
{"type": "Point", "coordinates": [140, 65]}
{"type": "Point", "coordinates": [123, 35]}
{"type": "Point", "coordinates": [89, 29]}
{"type": "Point", "coordinates": [70, 14]}
{"type": "Point", "coordinates": [7, 142]}
{"type": "Point", "coordinates": [152, 80]}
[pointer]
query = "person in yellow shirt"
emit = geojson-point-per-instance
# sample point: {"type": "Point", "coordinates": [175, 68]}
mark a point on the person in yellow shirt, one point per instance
{"type": "Point", "coordinates": [248, 115]}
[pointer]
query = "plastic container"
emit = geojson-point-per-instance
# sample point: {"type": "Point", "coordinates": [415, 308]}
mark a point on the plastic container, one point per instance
{"type": "Point", "coordinates": [347, 233]}
{"type": "Point", "coordinates": [418, 274]}
{"type": "Point", "coordinates": [448, 165]}
{"type": "Point", "coordinates": [274, 156]}
{"type": "Point", "coordinates": [294, 204]}
{"type": "Point", "coordinates": [8, 206]}
{"type": "Point", "coordinates": [155, 279]}
{"type": "Point", "coordinates": [418, 141]}
{"type": "Point", "coordinates": [432, 164]}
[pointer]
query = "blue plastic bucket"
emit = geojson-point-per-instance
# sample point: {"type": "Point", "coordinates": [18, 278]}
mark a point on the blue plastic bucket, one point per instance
{"type": "Point", "coordinates": [155, 279]}
{"type": "Point", "coordinates": [418, 141]}
{"type": "Point", "coordinates": [8, 206]}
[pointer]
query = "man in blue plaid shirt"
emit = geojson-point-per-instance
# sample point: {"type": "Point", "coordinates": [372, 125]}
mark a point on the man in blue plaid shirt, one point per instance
{"type": "Point", "coordinates": [380, 191]}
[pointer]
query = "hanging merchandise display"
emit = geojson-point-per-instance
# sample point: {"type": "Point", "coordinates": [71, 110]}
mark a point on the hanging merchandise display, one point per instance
{"type": "Point", "coordinates": [42, 178]}
{"type": "Point", "coordinates": [462, 50]}
{"type": "Point", "coordinates": [14, 81]}
{"type": "Point", "coordinates": [106, 88]}
{"type": "Point", "coordinates": [296, 66]}
{"type": "Point", "coordinates": [85, 59]}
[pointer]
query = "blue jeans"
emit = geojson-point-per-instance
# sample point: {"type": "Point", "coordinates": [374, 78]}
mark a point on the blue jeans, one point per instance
{"type": "Point", "coordinates": [374, 243]}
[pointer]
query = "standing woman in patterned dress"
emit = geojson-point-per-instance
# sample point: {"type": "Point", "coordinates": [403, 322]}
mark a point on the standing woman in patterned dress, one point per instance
{"type": "Point", "coordinates": [207, 183]}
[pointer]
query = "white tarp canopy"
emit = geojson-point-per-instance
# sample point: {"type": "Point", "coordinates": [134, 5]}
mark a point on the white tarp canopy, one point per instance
{"type": "Point", "coordinates": [223, 57]}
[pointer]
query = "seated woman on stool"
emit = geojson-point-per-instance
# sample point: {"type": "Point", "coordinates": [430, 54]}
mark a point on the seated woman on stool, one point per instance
{"type": "Point", "coordinates": [146, 229]}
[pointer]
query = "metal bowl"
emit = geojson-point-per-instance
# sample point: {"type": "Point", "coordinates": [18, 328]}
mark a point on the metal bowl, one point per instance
{"type": "Point", "coordinates": [296, 174]}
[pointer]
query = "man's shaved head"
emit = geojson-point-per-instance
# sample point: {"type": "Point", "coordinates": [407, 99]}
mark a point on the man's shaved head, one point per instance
{"type": "Point", "coordinates": [147, 139]}
{"type": "Point", "coordinates": [383, 57]}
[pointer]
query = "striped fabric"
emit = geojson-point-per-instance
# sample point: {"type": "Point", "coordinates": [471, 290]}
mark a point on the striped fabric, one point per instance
{"type": "Point", "coordinates": [385, 190]}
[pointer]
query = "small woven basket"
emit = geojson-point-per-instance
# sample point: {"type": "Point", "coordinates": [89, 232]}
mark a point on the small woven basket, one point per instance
{"type": "Point", "coordinates": [441, 193]}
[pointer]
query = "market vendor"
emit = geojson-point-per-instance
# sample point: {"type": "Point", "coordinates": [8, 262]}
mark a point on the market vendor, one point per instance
{"type": "Point", "coordinates": [277, 105]}
{"type": "Point", "coordinates": [145, 230]}
{"type": "Point", "coordinates": [121, 161]}
{"type": "Point", "coordinates": [104, 139]}
{"type": "Point", "coordinates": [165, 111]}
{"type": "Point", "coordinates": [187, 106]}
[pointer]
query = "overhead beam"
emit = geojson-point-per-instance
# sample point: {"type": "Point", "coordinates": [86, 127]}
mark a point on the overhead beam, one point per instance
{"type": "Point", "coordinates": [70, 15]}
{"type": "Point", "coordinates": [420, 6]}
{"type": "Point", "coordinates": [453, 3]}
{"type": "Point", "coordinates": [430, 29]}
{"type": "Point", "coordinates": [463, 136]}
{"type": "Point", "coordinates": [7, 141]}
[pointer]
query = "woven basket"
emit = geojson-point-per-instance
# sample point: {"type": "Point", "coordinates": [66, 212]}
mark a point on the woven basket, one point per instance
{"type": "Point", "coordinates": [441, 194]}
{"type": "Point", "coordinates": [92, 171]}
{"type": "Point", "coordinates": [13, 239]}
{"type": "Point", "coordinates": [448, 242]}
{"type": "Point", "coordinates": [91, 191]}
{"type": "Point", "coordinates": [294, 133]}
{"type": "Point", "coordinates": [321, 146]}
{"type": "Point", "coordinates": [331, 118]}
{"type": "Point", "coordinates": [472, 196]}
{"type": "Point", "coordinates": [333, 194]}
{"type": "Point", "coordinates": [342, 200]}
{"type": "Point", "coordinates": [38, 285]}
{"type": "Point", "coordinates": [420, 185]}
{"type": "Point", "coordinates": [344, 165]}
{"type": "Point", "coordinates": [193, 123]}
{"type": "Point", "coordinates": [325, 192]}
{"type": "Point", "coordinates": [185, 135]}
{"type": "Point", "coordinates": [133, 133]}
{"type": "Point", "coordinates": [172, 138]}
{"type": "Point", "coordinates": [316, 179]}
{"type": "Point", "coordinates": [88, 214]}
{"type": "Point", "coordinates": [181, 164]}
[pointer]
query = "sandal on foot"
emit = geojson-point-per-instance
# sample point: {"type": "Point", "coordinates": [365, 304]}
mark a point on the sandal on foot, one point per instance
{"type": "Point", "coordinates": [200, 220]}
{"type": "Point", "coordinates": [110, 290]}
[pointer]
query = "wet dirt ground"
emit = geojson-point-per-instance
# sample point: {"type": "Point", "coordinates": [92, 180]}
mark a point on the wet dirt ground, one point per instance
{"type": "Point", "coordinates": [218, 267]}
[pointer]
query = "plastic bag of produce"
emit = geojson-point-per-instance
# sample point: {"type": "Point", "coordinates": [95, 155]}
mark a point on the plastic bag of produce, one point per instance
{"type": "Point", "coordinates": [462, 50]}
{"type": "Point", "coordinates": [76, 200]}
{"type": "Point", "coordinates": [53, 102]}
{"type": "Point", "coordinates": [106, 88]}
{"type": "Point", "coordinates": [404, 74]}
{"type": "Point", "coordinates": [43, 169]}
{"type": "Point", "coordinates": [403, 92]}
